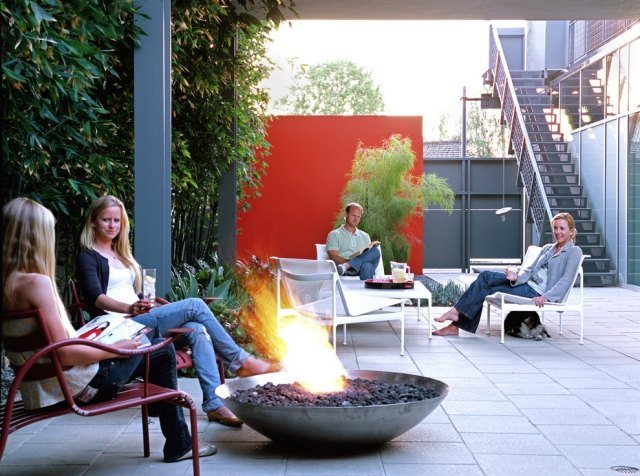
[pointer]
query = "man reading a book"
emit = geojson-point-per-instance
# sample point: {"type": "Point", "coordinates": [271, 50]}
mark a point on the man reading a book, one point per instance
{"type": "Point", "coordinates": [345, 246]}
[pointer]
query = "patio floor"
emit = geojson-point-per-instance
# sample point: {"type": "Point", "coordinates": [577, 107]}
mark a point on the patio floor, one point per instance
{"type": "Point", "coordinates": [528, 408]}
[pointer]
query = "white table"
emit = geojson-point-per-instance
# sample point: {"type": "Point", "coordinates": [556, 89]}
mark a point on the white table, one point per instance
{"type": "Point", "coordinates": [418, 292]}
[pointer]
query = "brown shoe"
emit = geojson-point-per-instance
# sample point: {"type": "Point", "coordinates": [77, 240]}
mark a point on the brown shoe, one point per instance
{"type": "Point", "coordinates": [224, 416]}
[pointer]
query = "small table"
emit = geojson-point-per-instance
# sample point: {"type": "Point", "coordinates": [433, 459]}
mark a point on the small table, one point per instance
{"type": "Point", "coordinates": [418, 292]}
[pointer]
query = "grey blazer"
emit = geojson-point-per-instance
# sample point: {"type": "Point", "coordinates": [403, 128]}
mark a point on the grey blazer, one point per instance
{"type": "Point", "coordinates": [561, 270]}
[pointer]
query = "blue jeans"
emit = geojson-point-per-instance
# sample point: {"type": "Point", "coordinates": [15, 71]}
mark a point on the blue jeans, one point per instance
{"type": "Point", "coordinates": [366, 263]}
{"type": "Point", "coordinates": [113, 374]}
{"type": "Point", "coordinates": [208, 340]}
{"type": "Point", "coordinates": [470, 303]}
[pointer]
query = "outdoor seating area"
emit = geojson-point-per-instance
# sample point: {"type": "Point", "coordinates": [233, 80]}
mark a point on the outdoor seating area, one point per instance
{"type": "Point", "coordinates": [523, 407]}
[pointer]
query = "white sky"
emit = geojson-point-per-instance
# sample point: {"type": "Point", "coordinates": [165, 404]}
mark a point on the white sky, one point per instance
{"type": "Point", "coordinates": [420, 66]}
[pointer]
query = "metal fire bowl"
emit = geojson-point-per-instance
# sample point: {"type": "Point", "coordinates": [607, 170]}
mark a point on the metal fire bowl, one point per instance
{"type": "Point", "coordinates": [334, 426]}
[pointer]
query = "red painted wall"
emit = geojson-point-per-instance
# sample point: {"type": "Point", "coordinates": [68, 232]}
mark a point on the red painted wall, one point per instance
{"type": "Point", "coordinates": [310, 158]}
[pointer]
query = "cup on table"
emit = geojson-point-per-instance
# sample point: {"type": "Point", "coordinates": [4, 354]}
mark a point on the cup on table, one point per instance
{"type": "Point", "coordinates": [149, 284]}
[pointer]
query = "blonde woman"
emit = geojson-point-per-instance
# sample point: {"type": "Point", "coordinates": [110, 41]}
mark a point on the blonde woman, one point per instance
{"type": "Point", "coordinates": [547, 279]}
{"type": "Point", "coordinates": [28, 272]}
{"type": "Point", "coordinates": [109, 277]}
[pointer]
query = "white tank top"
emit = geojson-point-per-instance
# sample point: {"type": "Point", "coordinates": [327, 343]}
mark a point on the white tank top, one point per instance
{"type": "Point", "coordinates": [120, 286]}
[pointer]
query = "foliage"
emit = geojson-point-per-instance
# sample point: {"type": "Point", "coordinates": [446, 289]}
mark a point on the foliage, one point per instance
{"type": "Point", "coordinates": [486, 136]}
{"type": "Point", "coordinates": [60, 139]}
{"type": "Point", "coordinates": [67, 86]}
{"type": "Point", "coordinates": [333, 87]}
{"type": "Point", "coordinates": [219, 59]}
{"type": "Point", "coordinates": [205, 281]}
{"type": "Point", "coordinates": [442, 295]}
{"type": "Point", "coordinates": [382, 182]}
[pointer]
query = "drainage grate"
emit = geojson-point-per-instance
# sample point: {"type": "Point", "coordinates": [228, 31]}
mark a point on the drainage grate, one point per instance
{"type": "Point", "coordinates": [625, 469]}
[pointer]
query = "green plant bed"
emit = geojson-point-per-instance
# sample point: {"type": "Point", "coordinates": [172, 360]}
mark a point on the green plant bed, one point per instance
{"type": "Point", "coordinates": [441, 295]}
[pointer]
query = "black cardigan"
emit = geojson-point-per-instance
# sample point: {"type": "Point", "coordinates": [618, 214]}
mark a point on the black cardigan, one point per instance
{"type": "Point", "coordinates": [92, 273]}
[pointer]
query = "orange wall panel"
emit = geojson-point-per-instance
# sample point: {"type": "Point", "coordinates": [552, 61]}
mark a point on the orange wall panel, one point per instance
{"type": "Point", "coordinates": [307, 171]}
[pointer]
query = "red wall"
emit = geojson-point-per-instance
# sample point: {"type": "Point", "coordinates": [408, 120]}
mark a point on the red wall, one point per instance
{"type": "Point", "coordinates": [310, 158]}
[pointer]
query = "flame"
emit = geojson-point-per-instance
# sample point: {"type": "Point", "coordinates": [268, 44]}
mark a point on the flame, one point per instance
{"type": "Point", "coordinates": [302, 346]}
{"type": "Point", "coordinates": [310, 357]}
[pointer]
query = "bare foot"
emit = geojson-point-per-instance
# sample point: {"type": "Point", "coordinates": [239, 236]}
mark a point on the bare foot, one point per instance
{"type": "Point", "coordinates": [450, 315]}
{"type": "Point", "coordinates": [253, 366]}
{"type": "Point", "coordinates": [449, 330]}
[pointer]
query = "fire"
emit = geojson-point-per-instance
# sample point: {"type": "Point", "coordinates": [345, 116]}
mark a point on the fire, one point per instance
{"type": "Point", "coordinates": [310, 357]}
{"type": "Point", "coordinates": [302, 346]}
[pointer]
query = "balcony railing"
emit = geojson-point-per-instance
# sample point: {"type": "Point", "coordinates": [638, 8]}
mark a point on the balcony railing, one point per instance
{"type": "Point", "coordinates": [539, 211]}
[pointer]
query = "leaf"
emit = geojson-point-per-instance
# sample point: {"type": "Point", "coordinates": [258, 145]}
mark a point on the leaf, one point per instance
{"type": "Point", "coordinates": [40, 14]}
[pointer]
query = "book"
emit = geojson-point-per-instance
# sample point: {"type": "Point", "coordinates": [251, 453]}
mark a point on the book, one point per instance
{"type": "Point", "coordinates": [373, 244]}
{"type": "Point", "coordinates": [111, 328]}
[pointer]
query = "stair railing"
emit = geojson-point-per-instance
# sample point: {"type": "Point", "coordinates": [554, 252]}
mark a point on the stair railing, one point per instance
{"type": "Point", "coordinates": [528, 174]}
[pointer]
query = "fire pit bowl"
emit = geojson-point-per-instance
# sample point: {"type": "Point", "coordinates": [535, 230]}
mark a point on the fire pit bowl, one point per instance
{"type": "Point", "coordinates": [334, 426]}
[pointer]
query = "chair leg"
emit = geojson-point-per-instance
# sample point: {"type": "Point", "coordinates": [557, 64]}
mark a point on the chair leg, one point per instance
{"type": "Point", "coordinates": [488, 319]}
{"type": "Point", "coordinates": [195, 443]}
{"type": "Point", "coordinates": [560, 321]}
{"type": "Point", "coordinates": [581, 328]}
{"type": "Point", "coordinates": [502, 325]}
{"type": "Point", "coordinates": [344, 334]}
{"type": "Point", "coordinates": [145, 430]}
{"type": "Point", "coordinates": [402, 336]}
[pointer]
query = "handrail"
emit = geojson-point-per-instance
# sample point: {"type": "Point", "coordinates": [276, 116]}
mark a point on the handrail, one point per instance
{"type": "Point", "coordinates": [528, 172]}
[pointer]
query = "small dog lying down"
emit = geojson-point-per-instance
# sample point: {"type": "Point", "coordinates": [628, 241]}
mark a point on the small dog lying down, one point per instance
{"type": "Point", "coordinates": [525, 324]}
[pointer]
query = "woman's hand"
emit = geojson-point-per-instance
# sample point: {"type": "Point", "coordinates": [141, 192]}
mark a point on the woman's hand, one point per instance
{"type": "Point", "coordinates": [511, 274]}
{"type": "Point", "coordinates": [539, 301]}
{"type": "Point", "coordinates": [127, 344]}
{"type": "Point", "coordinates": [140, 307]}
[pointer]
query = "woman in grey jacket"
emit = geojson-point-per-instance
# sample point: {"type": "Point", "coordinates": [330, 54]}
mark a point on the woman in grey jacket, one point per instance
{"type": "Point", "coordinates": [548, 279]}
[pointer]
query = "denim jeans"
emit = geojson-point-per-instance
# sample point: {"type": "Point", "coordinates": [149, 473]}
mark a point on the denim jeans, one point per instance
{"type": "Point", "coordinates": [113, 374]}
{"type": "Point", "coordinates": [208, 340]}
{"type": "Point", "coordinates": [470, 303]}
{"type": "Point", "coordinates": [366, 263]}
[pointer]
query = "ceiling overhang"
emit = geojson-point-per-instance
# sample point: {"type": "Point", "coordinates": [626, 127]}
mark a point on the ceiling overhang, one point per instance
{"type": "Point", "coordinates": [467, 9]}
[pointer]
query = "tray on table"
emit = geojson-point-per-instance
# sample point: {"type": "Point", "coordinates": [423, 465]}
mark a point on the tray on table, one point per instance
{"type": "Point", "coordinates": [387, 283]}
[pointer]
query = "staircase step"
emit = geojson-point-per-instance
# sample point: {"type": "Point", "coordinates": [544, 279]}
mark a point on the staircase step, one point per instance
{"type": "Point", "coordinates": [563, 190]}
{"type": "Point", "coordinates": [523, 73]}
{"type": "Point", "coordinates": [549, 146]}
{"type": "Point", "coordinates": [583, 240]}
{"type": "Point", "coordinates": [549, 157]}
{"type": "Point", "coordinates": [544, 136]}
{"type": "Point", "coordinates": [567, 201]}
{"type": "Point", "coordinates": [556, 168]}
{"type": "Point", "coordinates": [597, 265]}
{"type": "Point", "coordinates": [595, 280]}
{"type": "Point", "coordinates": [558, 178]}
{"type": "Point", "coordinates": [577, 213]}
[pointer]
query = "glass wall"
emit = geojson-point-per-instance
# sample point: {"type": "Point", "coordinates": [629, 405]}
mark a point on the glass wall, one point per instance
{"type": "Point", "coordinates": [633, 210]}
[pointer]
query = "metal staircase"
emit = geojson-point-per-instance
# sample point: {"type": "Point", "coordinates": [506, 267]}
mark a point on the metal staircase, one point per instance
{"type": "Point", "coordinates": [546, 169]}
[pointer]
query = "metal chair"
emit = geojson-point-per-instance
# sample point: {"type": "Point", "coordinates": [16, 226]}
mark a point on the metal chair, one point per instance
{"type": "Point", "coordinates": [45, 364]}
{"type": "Point", "coordinates": [314, 291]}
{"type": "Point", "coordinates": [506, 303]}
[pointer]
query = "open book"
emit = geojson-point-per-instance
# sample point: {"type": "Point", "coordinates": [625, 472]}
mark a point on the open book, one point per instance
{"type": "Point", "coordinates": [373, 244]}
{"type": "Point", "coordinates": [111, 328]}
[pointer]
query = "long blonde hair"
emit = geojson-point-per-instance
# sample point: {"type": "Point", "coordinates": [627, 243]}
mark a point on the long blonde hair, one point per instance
{"type": "Point", "coordinates": [28, 246]}
{"type": "Point", "coordinates": [121, 245]}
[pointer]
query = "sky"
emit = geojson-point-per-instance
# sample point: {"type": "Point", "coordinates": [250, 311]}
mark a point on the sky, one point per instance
{"type": "Point", "coordinates": [420, 66]}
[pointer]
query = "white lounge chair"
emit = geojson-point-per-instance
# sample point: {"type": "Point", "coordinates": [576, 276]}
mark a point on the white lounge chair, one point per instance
{"type": "Point", "coordinates": [315, 291]}
{"type": "Point", "coordinates": [506, 303]}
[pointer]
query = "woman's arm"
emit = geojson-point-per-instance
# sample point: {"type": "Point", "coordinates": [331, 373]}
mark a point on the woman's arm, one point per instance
{"type": "Point", "coordinates": [36, 291]}
{"type": "Point", "coordinates": [558, 289]}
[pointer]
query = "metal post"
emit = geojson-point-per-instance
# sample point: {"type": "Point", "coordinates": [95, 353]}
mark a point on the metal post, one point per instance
{"type": "Point", "coordinates": [152, 122]}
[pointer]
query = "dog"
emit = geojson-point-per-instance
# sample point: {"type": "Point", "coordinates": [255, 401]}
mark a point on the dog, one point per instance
{"type": "Point", "coordinates": [525, 324]}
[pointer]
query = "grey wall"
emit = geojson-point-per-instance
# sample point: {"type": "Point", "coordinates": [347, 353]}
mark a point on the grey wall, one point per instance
{"type": "Point", "coordinates": [473, 231]}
